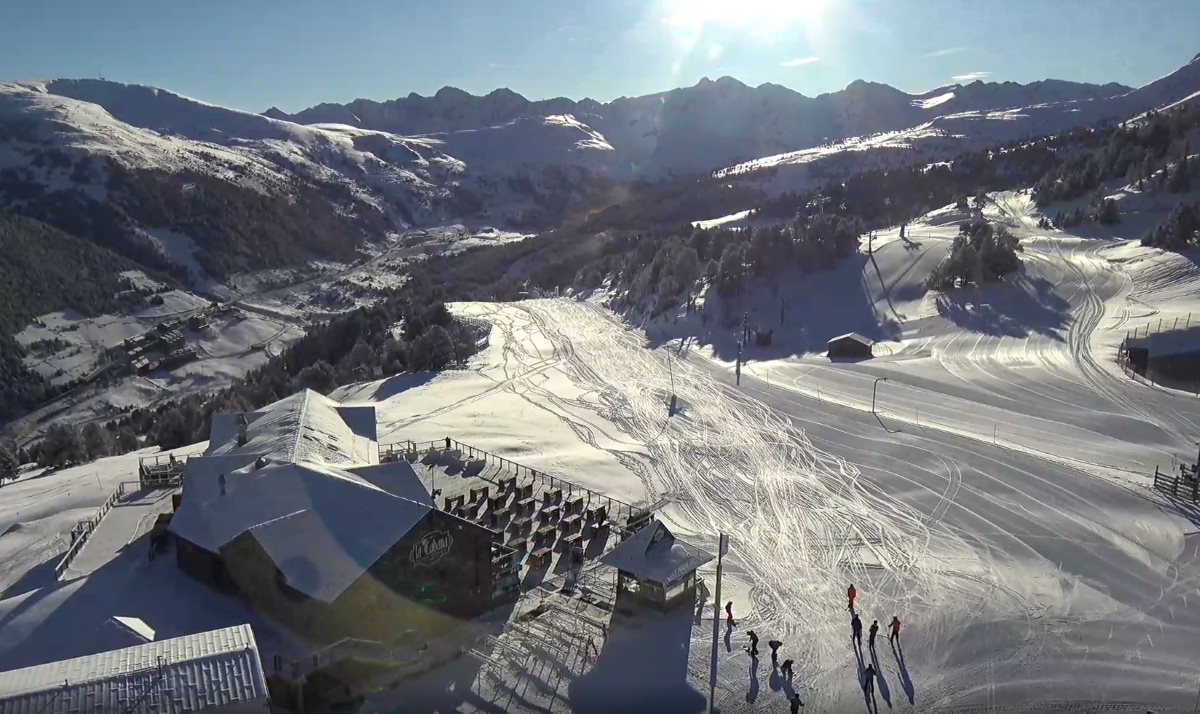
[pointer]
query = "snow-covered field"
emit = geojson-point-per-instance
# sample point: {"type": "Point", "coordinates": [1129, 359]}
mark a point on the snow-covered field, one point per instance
{"type": "Point", "coordinates": [997, 500]}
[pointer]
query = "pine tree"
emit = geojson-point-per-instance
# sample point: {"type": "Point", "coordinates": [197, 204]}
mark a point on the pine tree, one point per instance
{"type": "Point", "coordinates": [8, 463]}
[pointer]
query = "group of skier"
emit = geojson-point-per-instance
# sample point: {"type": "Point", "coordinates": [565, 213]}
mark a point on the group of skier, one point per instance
{"type": "Point", "coordinates": [856, 628]}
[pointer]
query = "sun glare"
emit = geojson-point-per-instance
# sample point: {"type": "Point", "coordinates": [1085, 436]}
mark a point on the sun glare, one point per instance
{"type": "Point", "coordinates": [757, 16]}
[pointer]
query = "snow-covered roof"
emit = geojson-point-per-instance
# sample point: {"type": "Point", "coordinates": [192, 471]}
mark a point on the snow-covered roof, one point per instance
{"type": "Point", "coordinates": [305, 426]}
{"type": "Point", "coordinates": [338, 522]}
{"type": "Point", "coordinates": [654, 553]}
{"type": "Point", "coordinates": [397, 478]}
{"type": "Point", "coordinates": [852, 336]}
{"type": "Point", "coordinates": [193, 673]}
{"type": "Point", "coordinates": [306, 487]}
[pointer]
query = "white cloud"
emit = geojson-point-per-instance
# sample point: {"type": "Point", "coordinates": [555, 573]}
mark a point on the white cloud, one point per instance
{"type": "Point", "coordinates": [801, 61]}
{"type": "Point", "coordinates": [970, 76]}
{"type": "Point", "coordinates": [947, 52]}
{"type": "Point", "coordinates": [715, 51]}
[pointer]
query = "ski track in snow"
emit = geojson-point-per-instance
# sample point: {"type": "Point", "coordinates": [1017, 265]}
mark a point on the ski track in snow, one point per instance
{"type": "Point", "coordinates": [1020, 577]}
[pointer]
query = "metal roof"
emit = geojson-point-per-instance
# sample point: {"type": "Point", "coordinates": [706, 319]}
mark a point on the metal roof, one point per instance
{"type": "Point", "coordinates": [193, 673]}
{"type": "Point", "coordinates": [654, 553]}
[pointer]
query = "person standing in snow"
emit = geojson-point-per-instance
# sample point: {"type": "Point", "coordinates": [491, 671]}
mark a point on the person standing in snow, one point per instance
{"type": "Point", "coordinates": [868, 683]}
{"type": "Point", "coordinates": [796, 704]}
{"type": "Point", "coordinates": [856, 629]}
{"type": "Point", "coordinates": [895, 636]}
{"type": "Point", "coordinates": [871, 632]}
{"type": "Point", "coordinates": [729, 614]}
{"type": "Point", "coordinates": [753, 644]}
{"type": "Point", "coordinates": [851, 593]}
{"type": "Point", "coordinates": [774, 645]}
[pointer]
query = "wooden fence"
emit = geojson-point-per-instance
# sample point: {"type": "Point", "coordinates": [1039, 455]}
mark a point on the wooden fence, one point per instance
{"type": "Point", "coordinates": [1185, 484]}
{"type": "Point", "coordinates": [411, 450]}
{"type": "Point", "coordinates": [83, 530]}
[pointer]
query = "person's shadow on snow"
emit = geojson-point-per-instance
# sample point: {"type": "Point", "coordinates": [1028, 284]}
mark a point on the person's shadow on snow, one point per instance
{"type": "Point", "coordinates": [728, 638]}
{"type": "Point", "coordinates": [752, 693]}
{"type": "Point", "coordinates": [879, 680]}
{"type": "Point", "coordinates": [775, 681]}
{"type": "Point", "coordinates": [905, 681]}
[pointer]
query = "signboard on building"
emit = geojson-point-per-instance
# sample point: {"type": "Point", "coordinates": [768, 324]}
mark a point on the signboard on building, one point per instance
{"type": "Point", "coordinates": [432, 547]}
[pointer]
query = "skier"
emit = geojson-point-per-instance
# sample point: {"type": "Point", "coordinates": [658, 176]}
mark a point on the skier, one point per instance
{"type": "Point", "coordinates": [753, 644]}
{"type": "Point", "coordinates": [872, 631]}
{"type": "Point", "coordinates": [856, 629]}
{"type": "Point", "coordinates": [774, 645]}
{"type": "Point", "coordinates": [851, 593]}
{"type": "Point", "coordinates": [729, 614]}
{"type": "Point", "coordinates": [786, 668]}
{"type": "Point", "coordinates": [796, 704]}
{"type": "Point", "coordinates": [868, 680]}
{"type": "Point", "coordinates": [895, 636]}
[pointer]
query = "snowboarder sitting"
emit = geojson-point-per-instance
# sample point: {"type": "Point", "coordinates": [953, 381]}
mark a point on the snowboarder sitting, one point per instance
{"type": "Point", "coordinates": [895, 636]}
{"type": "Point", "coordinates": [774, 645]}
{"type": "Point", "coordinates": [753, 644]}
{"type": "Point", "coordinates": [871, 632]}
{"type": "Point", "coordinates": [856, 629]}
{"type": "Point", "coordinates": [786, 668]}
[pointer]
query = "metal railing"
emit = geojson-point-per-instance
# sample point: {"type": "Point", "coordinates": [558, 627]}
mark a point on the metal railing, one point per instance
{"type": "Point", "coordinates": [412, 451]}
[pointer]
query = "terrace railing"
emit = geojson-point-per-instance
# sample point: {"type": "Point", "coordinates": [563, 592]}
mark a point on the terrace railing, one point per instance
{"type": "Point", "coordinates": [412, 451]}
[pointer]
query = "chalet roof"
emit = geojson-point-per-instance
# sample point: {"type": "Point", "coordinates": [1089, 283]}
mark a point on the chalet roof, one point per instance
{"type": "Point", "coordinates": [305, 426]}
{"type": "Point", "coordinates": [654, 553]}
{"type": "Point", "coordinates": [340, 522]}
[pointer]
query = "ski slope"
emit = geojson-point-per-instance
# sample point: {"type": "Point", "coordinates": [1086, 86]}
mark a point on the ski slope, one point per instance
{"type": "Point", "coordinates": [996, 499]}
{"type": "Point", "coordinates": [1019, 578]}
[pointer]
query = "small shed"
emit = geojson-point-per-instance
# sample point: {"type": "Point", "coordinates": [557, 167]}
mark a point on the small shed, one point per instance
{"type": "Point", "coordinates": [851, 345]}
{"type": "Point", "coordinates": [655, 567]}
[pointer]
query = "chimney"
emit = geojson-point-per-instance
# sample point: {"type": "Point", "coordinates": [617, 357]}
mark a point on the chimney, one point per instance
{"type": "Point", "coordinates": [242, 438]}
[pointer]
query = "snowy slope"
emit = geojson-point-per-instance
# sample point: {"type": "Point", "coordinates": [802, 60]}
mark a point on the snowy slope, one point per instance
{"type": "Point", "coordinates": [1033, 568]}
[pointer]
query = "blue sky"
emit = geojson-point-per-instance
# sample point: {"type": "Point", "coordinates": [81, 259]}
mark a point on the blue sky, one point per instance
{"type": "Point", "coordinates": [252, 54]}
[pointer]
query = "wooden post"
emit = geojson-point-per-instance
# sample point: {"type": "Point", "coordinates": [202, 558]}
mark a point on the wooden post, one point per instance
{"type": "Point", "coordinates": [1156, 476]}
{"type": "Point", "coordinates": [1175, 486]}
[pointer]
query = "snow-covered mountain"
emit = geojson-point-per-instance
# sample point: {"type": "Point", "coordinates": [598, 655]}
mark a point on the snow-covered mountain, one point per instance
{"type": "Point", "coordinates": [709, 125]}
{"type": "Point", "coordinates": [252, 189]}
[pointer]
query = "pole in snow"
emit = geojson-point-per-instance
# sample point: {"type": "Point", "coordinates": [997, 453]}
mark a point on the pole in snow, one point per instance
{"type": "Point", "coordinates": [722, 548]}
{"type": "Point", "coordinates": [875, 390]}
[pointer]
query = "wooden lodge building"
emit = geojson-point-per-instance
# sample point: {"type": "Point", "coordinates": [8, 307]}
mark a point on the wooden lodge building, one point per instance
{"type": "Point", "coordinates": [290, 510]}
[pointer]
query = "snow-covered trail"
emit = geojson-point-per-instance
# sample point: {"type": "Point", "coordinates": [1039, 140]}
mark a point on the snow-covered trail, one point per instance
{"type": "Point", "coordinates": [1018, 578]}
{"type": "Point", "coordinates": [1029, 364]}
